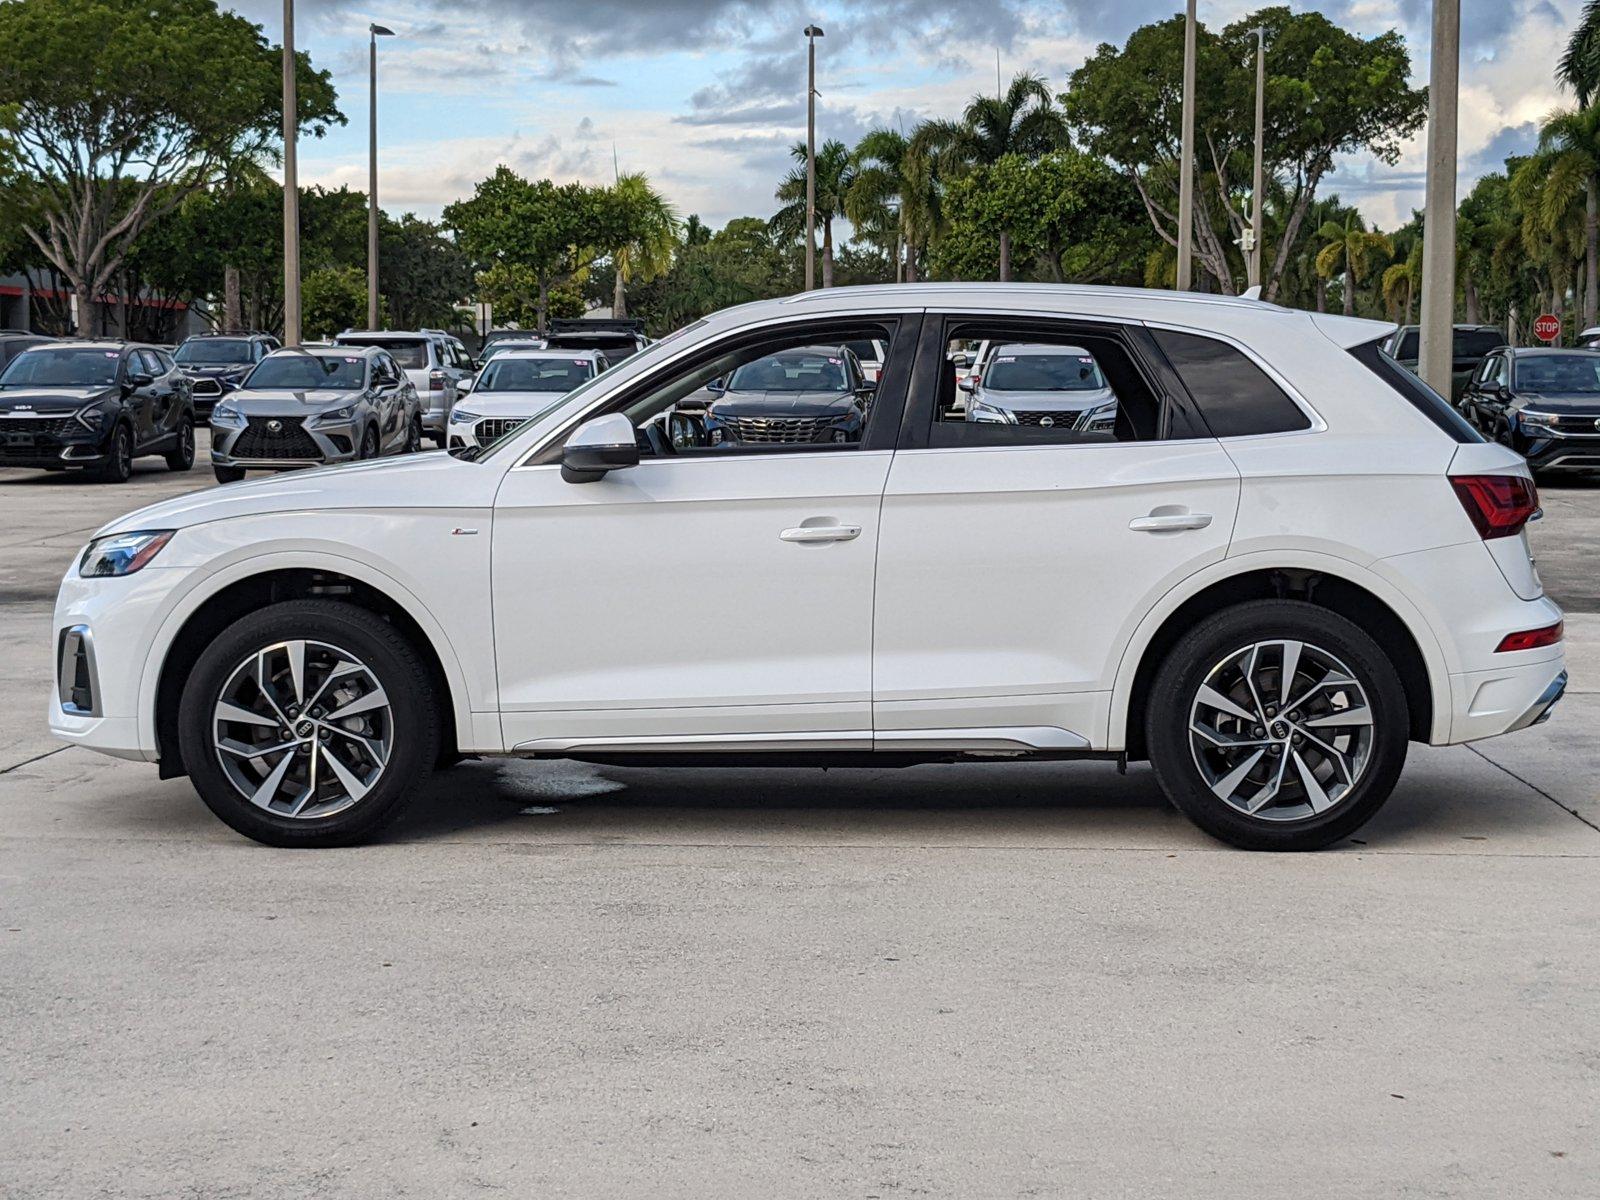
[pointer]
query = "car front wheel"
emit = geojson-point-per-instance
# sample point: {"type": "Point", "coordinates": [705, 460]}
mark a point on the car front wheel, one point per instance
{"type": "Point", "coordinates": [181, 456]}
{"type": "Point", "coordinates": [309, 723]}
{"type": "Point", "coordinates": [118, 464]}
{"type": "Point", "coordinates": [1277, 725]}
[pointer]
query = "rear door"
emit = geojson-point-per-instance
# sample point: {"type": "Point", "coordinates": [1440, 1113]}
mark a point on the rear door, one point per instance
{"type": "Point", "coordinates": [1015, 560]}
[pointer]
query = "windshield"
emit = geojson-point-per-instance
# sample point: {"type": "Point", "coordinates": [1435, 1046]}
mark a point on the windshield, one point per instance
{"type": "Point", "coordinates": [298, 371]}
{"type": "Point", "coordinates": [410, 353]}
{"type": "Point", "coordinates": [212, 351]}
{"type": "Point", "coordinates": [499, 348]}
{"type": "Point", "coordinates": [75, 368]}
{"type": "Point", "coordinates": [1578, 373]}
{"type": "Point", "coordinates": [795, 371]}
{"type": "Point", "coordinates": [534, 375]}
{"type": "Point", "coordinates": [1042, 373]}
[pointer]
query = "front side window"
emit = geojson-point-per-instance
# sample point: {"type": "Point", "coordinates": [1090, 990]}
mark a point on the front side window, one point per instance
{"type": "Point", "coordinates": [309, 372]}
{"type": "Point", "coordinates": [1235, 397]}
{"type": "Point", "coordinates": [75, 367]}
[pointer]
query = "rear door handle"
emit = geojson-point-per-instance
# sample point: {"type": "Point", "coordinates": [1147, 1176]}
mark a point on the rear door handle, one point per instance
{"type": "Point", "coordinates": [1169, 522]}
{"type": "Point", "coordinates": [821, 533]}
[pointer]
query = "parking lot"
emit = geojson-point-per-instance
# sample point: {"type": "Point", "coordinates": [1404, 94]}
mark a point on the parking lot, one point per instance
{"type": "Point", "coordinates": [557, 979]}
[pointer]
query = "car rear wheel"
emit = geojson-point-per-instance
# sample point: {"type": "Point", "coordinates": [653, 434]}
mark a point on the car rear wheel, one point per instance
{"type": "Point", "coordinates": [181, 456]}
{"type": "Point", "coordinates": [414, 436]}
{"type": "Point", "coordinates": [118, 464]}
{"type": "Point", "coordinates": [369, 442]}
{"type": "Point", "coordinates": [1277, 725]}
{"type": "Point", "coordinates": [309, 723]}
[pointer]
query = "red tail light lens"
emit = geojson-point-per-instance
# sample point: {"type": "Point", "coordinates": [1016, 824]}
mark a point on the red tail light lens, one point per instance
{"type": "Point", "coordinates": [1531, 639]}
{"type": "Point", "coordinates": [1499, 505]}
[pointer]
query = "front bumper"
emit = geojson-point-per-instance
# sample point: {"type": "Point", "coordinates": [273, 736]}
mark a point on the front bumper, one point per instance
{"type": "Point", "coordinates": [1563, 452]}
{"type": "Point", "coordinates": [296, 443]}
{"type": "Point", "coordinates": [52, 442]}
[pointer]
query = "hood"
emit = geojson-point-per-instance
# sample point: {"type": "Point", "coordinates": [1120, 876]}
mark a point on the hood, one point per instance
{"type": "Point", "coordinates": [203, 370]}
{"type": "Point", "coordinates": [276, 403]}
{"type": "Point", "coordinates": [1580, 403]}
{"type": "Point", "coordinates": [1053, 401]}
{"type": "Point", "coordinates": [53, 401]}
{"type": "Point", "coordinates": [508, 404]}
{"type": "Point", "coordinates": [792, 404]}
{"type": "Point", "coordinates": [414, 482]}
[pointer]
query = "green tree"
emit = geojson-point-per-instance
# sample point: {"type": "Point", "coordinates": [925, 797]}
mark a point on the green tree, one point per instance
{"type": "Point", "coordinates": [1569, 144]}
{"type": "Point", "coordinates": [1348, 250]}
{"type": "Point", "coordinates": [1022, 122]}
{"type": "Point", "coordinates": [897, 187]}
{"type": "Point", "coordinates": [423, 274]}
{"type": "Point", "coordinates": [1329, 92]}
{"type": "Point", "coordinates": [333, 299]}
{"type": "Point", "coordinates": [540, 234]}
{"type": "Point", "coordinates": [836, 171]}
{"type": "Point", "coordinates": [652, 227]}
{"type": "Point", "coordinates": [125, 107]}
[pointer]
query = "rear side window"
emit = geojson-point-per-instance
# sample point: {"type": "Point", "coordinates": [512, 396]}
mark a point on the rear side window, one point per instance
{"type": "Point", "coordinates": [1474, 343]}
{"type": "Point", "coordinates": [1236, 398]}
{"type": "Point", "coordinates": [1418, 394]}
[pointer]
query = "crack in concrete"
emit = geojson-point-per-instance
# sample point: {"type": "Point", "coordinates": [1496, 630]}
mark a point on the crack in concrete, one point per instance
{"type": "Point", "coordinates": [1535, 787]}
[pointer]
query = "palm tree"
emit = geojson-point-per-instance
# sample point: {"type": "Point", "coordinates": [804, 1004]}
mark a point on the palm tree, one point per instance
{"type": "Point", "coordinates": [1401, 281]}
{"type": "Point", "coordinates": [1579, 67]}
{"type": "Point", "coordinates": [1570, 141]}
{"type": "Point", "coordinates": [896, 186]}
{"type": "Point", "coordinates": [653, 227]}
{"type": "Point", "coordinates": [1348, 249]}
{"type": "Point", "coordinates": [1023, 121]}
{"type": "Point", "coordinates": [836, 172]}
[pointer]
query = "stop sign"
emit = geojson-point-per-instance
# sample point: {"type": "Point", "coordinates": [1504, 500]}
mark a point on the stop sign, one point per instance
{"type": "Point", "coordinates": [1547, 328]}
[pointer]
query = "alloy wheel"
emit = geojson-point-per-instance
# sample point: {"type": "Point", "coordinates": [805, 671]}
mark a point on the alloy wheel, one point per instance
{"type": "Point", "coordinates": [1281, 730]}
{"type": "Point", "coordinates": [302, 729]}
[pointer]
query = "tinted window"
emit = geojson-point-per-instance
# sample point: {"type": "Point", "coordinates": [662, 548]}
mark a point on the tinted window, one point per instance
{"type": "Point", "coordinates": [1407, 347]}
{"type": "Point", "coordinates": [1236, 398]}
{"type": "Point", "coordinates": [1030, 369]}
{"type": "Point", "coordinates": [1418, 394]}
{"type": "Point", "coordinates": [1559, 373]}
{"type": "Point", "coordinates": [410, 353]}
{"type": "Point", "coordinates": [533, 375]}
{"type": "Point", "coordinates": [306, 372]}
{"type": "Point", "coordinates": [81, 367]}
{"type": "Point", "coordinates": [813, 369]}
{"type": "Point", "coordinates": [214, 351]}
{"type": "Point", "coordinates": [1474, 343]}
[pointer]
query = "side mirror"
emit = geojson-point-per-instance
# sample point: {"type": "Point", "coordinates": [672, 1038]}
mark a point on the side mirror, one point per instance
{"type": "Point", "coordinates": [604, 444]}
{"type": "Point", "coordinates": [961, 360]}
{"type": "Point", "coordinates": [867, 387]}
{"type": "Point", "coordinates": [139, 379]}
{"type": "Point", "coordinates": [716, 386]}
{"type": "Point", "coordinates": [465, 385]}
{"type": "Point", "coordinates": [968, 385]}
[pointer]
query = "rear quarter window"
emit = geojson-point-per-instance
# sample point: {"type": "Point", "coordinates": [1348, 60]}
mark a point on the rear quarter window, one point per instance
{"type": "Point", "coordinates": [1235, 397]}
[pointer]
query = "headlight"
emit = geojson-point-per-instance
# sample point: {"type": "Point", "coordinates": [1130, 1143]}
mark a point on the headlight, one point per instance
{"type": "Point", "coordinates": [122, 553]}
{"type": "Point", "coordinates": [91, 416]}
{"type": "Point", "coordinates": [461, 416]}
{"type": "Point", "coordinates": [1103, 416]}
{"type": "Point", "coordinates": [977, 410]}
{"type": "Point", "coordinates": [1537, 420]}
{"type": "Point", "coordinates": [335, 415]}
{"type": "Point", "coordinates": [223, 415]}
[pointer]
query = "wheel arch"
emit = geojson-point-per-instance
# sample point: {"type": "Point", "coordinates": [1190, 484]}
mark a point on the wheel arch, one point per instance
{"type": "Point", "coordinates": [253, 583]}
{"type": "Point", "coordinates": [1339, 586]}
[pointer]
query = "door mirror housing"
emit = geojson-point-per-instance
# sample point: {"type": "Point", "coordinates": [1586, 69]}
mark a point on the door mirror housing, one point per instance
{"type": "Point", "coordinates": [139, 379]}
{"type": "Point", "coordinates": [717, 386]}
{"type": "Point", "coordinates": [596, 447]}
{"type": "Point", "coordinates": [968, 386]}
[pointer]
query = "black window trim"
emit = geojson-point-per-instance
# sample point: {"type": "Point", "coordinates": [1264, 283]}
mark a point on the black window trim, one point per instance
{"type": "Point", "coordinates": [1439, 411]}
{"type": "Point", "coordinates": [920, 417]}
{"type": "Point", "coordinates": [889, 401]}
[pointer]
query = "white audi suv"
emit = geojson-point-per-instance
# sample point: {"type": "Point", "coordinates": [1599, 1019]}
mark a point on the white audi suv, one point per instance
{"type": "Point", "coordinates": [1282, 561]}
{"type": "Point", "coordinates": [514, 386]}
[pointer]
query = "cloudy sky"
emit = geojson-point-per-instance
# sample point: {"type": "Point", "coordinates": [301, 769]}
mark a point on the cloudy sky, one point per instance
{"type": "Point", "coordinates": [706, 95]}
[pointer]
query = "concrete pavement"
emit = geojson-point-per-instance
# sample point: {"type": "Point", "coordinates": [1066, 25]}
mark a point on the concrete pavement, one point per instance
{"type": "Point", "coordinates": [559, 980]}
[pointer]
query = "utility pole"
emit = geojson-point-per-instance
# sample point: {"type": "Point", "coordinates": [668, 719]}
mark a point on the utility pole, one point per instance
{"type": "Point", "coordinates": [1186, 159]}
{"type": "Point", "coordinates": [1439, 204]}
{"type": "Point", "coordinates": [1258, 202]}
{"type": "Point", "coordinates": [374, 32]}
{"type": "Point", "coordinates": [291, 186]}
{"type": "Point", "coordinates": [813, 32]}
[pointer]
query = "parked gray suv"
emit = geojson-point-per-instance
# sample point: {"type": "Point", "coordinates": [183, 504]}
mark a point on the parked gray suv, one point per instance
{"type": "Point", "coordinates": [1050, 387]}
{"type": "Point", "coordinates": [308, 407]}
{"type": "Point", "coordinates": [435, 361]}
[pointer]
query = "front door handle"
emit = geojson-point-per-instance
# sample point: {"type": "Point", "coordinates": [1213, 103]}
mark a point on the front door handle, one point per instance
{"type": "Point", "coordinates": [1170, 522]}
{"type": "Point", "coordinates": [821, 533]}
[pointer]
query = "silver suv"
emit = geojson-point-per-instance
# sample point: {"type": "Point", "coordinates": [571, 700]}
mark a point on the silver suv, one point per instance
{"type": "Point", "coordinates": [1051, 387]}
{"type": "Point", "coordinates": [435, 361]}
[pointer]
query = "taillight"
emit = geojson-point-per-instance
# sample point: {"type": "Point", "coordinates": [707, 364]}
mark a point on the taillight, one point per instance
{"type": "Point", "coordinates": [1499, 505]}
{"type": "Point", "coordinates": [436, 382]}
{"type": "Point", "coordinates": [1531, 639]}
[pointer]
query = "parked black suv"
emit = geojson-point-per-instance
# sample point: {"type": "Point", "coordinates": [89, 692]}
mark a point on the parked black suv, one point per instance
{"type": "Point", "coordinates": [94, 405]}
{"type": "Point", "coordinates": [216, 363]}
{"type": "Point", "coordinates": [1469, 344]}
{"type": "Point", "coordinates": [1543, 403]}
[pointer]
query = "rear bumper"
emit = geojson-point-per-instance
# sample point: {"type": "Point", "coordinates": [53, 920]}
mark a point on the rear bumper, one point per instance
{"type": "Point", "coordinates": [1489, 703]}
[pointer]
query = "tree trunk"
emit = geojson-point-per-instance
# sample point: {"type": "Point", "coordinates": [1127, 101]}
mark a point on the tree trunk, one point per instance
{"type": "Point", "coordinates": [544, 304]}
{"type": "Point", "coordinates": [911, 262]}
{"type": "Point", "coordinates": [84, 326]}
{"type": "Point", "coordinates": [1321, 290]}
{"type": "Point", "coordinates": [619, 297]}
{"type": "Point", "coordinates": [1349, 291]}
{"type": "Point", "coordinates": [827, 253]}
{"type": "Point", "coordinates": [1470, 297]}
{"type": "Point", "coordinates": [1005, 257]}
{"type": "Point", "coordinates": [232, 318]}
{"type": "Point", "coordinates": [1411, 295]}
{"type": "Point", "coordinates": [1591, 252]}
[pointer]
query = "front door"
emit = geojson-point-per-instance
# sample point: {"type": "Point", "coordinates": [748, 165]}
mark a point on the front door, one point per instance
{"type": "Point", "coordinates": [718, 595]}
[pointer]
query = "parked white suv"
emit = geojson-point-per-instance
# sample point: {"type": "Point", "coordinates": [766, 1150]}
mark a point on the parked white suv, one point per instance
{"type": "Point", "coordinates": [515, 386]}
{"type": "Point", "coordinates": [1285, 559]}
{"type": "Point", "coordinates": [435, 361]}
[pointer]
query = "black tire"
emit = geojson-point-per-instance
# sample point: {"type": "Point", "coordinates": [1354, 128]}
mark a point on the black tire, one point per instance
{"type": "Point", "coordinates": [439, 440]}
{"type": "Point", "coordinates": [1176, 685]}
{"type": "Point", "coordinates": [414, 436]}
{"type": "Point", "coordinates": [181, 456]}
{"type": "Point", "coordinates": [118, 464]}
{"type": "Point", "coordinates": [369, 443]}
{"type": "Point", "coordinates": [398, 668]}
{"type": "Point", "coordinates": [228, 474]}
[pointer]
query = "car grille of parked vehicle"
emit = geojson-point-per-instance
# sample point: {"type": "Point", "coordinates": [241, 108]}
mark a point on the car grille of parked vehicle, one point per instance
{"type": "Point", "coordinates": [260, 440]}
{"type": "Point", "coordinates": [1060, 420]}
{"type": "Point", "coordinates": [51, 427]}
{"type": "Point", "coordinates": [205, 386]}
{"type": "Point", "coordinates": [1575, 424]}
{"type": "Point", "coordinates": [777, 429]}
{"type": "Point", "coordinates": [492, 429]}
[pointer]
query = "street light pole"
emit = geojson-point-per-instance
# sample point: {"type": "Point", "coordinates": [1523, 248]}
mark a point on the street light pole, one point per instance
{"type": "Point", "coordinates": [1258, 179]}
{"type": "Point", "coordinates": [291, 186]}
{"type": "Point", "coordinates": [1186, 159]}
{"type": "Point", "coordinates": [813, 32]}
{"type": "Point", "coordinates": [1439, 203]}
{"type": "Point", "coordinates": [374, 32]}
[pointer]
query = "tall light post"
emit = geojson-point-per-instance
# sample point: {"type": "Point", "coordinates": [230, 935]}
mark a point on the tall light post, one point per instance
{"type": "Point", "coordinates": [374, 32]}
{"type": "Point", "coordinates": [1439, 202]}
{"type": "Point", "coordinates": [1258, 202]}
{"type": "Point", "coordinates": [813, 32]}
{"type": "Point", "coordinates": [291, 186]}
{"type": "Point", "coordinates": [1186, 159]}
